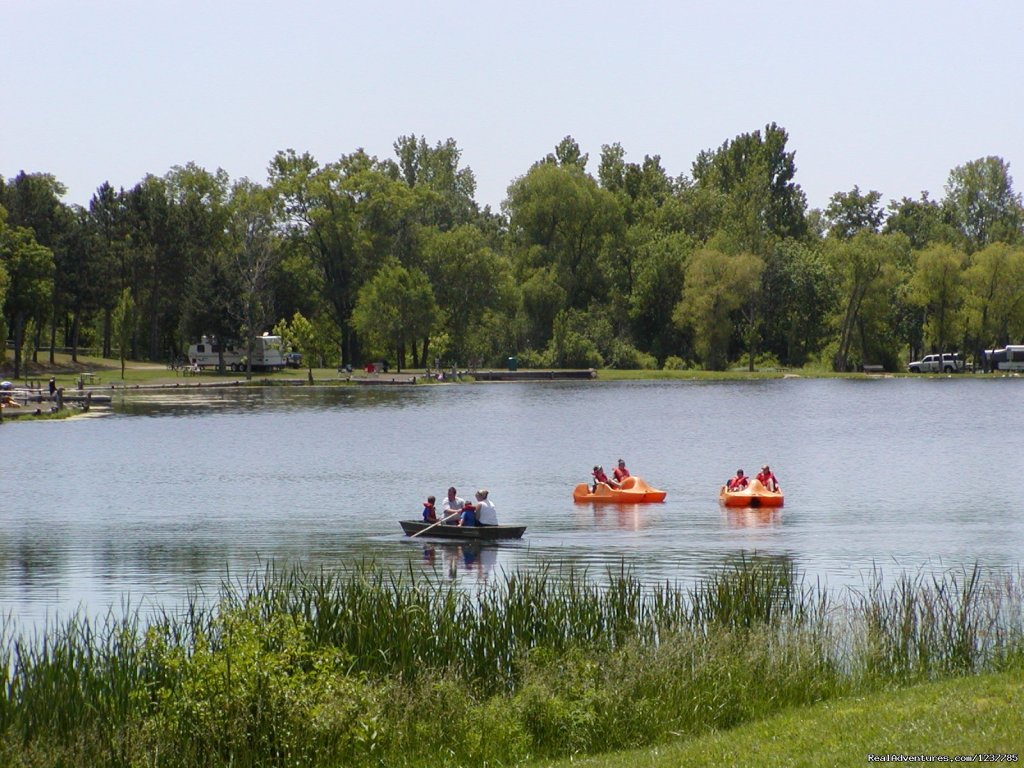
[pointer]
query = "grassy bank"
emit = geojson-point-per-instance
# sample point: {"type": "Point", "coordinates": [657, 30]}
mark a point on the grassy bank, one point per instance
{"type": "Point", "coordinates": [371, 667]}
{"type": "Point", "coordinates": [960, 716]}
{"type": "Point", "coordinates": [107, 372]}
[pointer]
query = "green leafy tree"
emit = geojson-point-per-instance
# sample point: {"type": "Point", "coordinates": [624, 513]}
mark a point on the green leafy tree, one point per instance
{"type": "Point", "coordinates": [395, 308]}
{"type": "Point", "coordinates": [320, 216]}
{"type": "Point", "coordinates": [937, 286]}
{"type": "Point", "coordinates": [755, 174]}
{"type": "Point", "coordinates": [658, 267]}
{"type": "Point", "coordinates": [716, 286]}
{"type": "Point", "coordinates": [798, 296]}
{"type": "Point", "coordinates": [29, 268]}
{"type": "Point", "coordinates": [210, 303]}
{"type": "Point", "coordinates": [124, 324]}
{"type": "Point", "coordinates": [642, 188]}
{"type": "Point", "coordinates": [447, 199]}
{"type": "Point", "coordinates": [33, 201]}
{"type": "Point", "coordinates": [995, 302]}
{"type": "Point", "coordinates": [921, 221]}
{"type": "Point", "coordinates": [109, 226]}
{"type": "Point", "coordinates": [254, 254]}
{"type": "Point", "coordinates": [560, 219]}
{"type": "Point", "coordinates": [851, 212]}
{"type": "Point", "coordinates": [313, 338]}
{"type": "Point", "coordinates": [5, 281]}
{"type": "Point", "coordinates": [350, 217]}
{"type": "Point", "coordinates": [469, 279]}
{"type": "Point", "coordinates": [542, 299]}
{"type": "Point", "coordinates": [867, 270]}
{"type": "Point", "coordinates": [568, 155]}
{"type": "Point", "coordinates": [573, 343]}
{"type": "Point", "coordinates": [981, 204]}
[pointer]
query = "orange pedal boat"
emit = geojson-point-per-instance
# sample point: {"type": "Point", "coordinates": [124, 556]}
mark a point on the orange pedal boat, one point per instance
{"type": "Point", "coordinates": [633, 490]}
{"type": "Point", "coordinates": [754, 495]}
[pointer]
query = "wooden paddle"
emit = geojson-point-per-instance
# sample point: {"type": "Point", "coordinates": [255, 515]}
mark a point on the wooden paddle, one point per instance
{"type": "Point", "coordinates": [434, 525]}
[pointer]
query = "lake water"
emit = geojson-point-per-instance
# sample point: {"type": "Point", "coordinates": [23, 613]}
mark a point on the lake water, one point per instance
{"type": "Point", "coordinates": [178, 490]}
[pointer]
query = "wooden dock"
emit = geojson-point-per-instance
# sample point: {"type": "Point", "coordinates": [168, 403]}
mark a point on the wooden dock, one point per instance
{"type": "Point", "coordinates": [535, 375]}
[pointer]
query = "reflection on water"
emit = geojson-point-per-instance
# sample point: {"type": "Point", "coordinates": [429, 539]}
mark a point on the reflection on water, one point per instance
{"type": "Point", "coordinates": [630, 517]}
{"type": "Point", "coordinates": [472, 560]}
{"type": "Point", "coordinates": [752, 517]}
{"type": "Point", "coordinates": [186, 488]}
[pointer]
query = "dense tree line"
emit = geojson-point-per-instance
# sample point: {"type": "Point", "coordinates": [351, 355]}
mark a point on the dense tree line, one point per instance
{"type": "Point", "coordinates": [364, 258]}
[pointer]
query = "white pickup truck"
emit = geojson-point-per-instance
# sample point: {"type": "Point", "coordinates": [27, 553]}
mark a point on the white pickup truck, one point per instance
{"type": "Point", "coordinates": [946, 363]}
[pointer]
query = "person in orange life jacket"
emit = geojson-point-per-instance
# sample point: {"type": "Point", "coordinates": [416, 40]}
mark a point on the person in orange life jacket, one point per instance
{"type": "Point", "coordinates": [620, 473]}
{"type": "Point", "coordinates": [429, 511]}
{"type": "Point", "coordinates": [739, 482]}
{"type": "Point", "coordinates": [768, 479]}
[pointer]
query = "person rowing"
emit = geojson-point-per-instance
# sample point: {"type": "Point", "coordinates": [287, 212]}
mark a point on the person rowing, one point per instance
{"type": "Point", "coordinates": [452, 507]}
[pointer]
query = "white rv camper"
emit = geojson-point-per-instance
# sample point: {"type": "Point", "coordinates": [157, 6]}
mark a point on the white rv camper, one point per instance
{"type": "Point", "coordinates": [266, 354]}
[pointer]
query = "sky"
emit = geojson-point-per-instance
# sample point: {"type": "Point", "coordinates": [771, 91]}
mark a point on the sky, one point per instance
{"type": "Point", "coordinates": [887, 95]}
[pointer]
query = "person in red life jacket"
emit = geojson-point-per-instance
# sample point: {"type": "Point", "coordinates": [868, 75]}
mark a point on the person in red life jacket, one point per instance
{"type": "Point", "coordinates": [429, 511]}
{"type": "Point", "coordinates": [468, 516]}
{"type": "Point", "coordinates": [768, 479]}
{"type": "Point", "coordinates": [620, 473]}
{"type": "Point", "coordinates": [739, 482]}
{"type": "Point", "coordinates": [601, 477]}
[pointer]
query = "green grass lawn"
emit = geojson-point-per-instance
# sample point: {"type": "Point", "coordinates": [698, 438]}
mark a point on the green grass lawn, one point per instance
{"type": "Point", "coordinates": [963, 716]}
{"type": "Point", "coordinates": [107, 372]}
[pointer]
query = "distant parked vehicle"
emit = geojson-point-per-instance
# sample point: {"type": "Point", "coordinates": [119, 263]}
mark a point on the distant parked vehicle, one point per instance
{"type": "Point", "coordinates": [945, 363]}
{"type": "Point", "coordinates": [1009, 358]}
{"type": "Point", "coordinates": [293, 359]}
{"type": "Point", "coordinates": [266, 354]}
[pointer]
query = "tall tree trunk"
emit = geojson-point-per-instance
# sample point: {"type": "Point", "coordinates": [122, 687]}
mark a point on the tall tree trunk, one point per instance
{"type": "Point", "coordinates": [19, 340]}
{"type": "Point", "coordinates": [76, 325]}
{"type": "Point", "coordinates": [53, 334]}
{"type": "Point", "coordinates": [107, 330]}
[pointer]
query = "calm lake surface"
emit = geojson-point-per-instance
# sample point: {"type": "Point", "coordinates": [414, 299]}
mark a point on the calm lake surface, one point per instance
{"type": "Point", "coordinates": [177, 491]}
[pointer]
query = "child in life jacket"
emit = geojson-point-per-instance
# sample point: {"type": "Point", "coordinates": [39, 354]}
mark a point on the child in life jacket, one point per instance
{"type": "Point", "coordinates": [429, 511]}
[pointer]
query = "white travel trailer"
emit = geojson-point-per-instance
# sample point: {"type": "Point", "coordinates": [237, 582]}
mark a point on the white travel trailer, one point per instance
{"type": "Point", "coordinates": [266, 354]}
{"type": "Point", "coordinates": [1009, 358]}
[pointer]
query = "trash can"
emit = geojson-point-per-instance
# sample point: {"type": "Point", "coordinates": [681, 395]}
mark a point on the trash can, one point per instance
{"type": "Point", "coordinates": [513, 363]}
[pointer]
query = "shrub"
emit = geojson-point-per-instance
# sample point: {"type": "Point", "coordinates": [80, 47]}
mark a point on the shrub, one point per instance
{"type": "Point", "coordinates": [256, 687]}
{"type": "Point", "coordinates": [626, 356]}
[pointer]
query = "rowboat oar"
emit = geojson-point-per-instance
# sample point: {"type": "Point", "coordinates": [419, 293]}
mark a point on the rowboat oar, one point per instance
{"type": "Point", "coordinates": [442, 520]}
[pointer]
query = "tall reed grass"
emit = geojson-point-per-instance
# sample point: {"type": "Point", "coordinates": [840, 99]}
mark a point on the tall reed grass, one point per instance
{"type": "Point", "coordinates": [369, 666]}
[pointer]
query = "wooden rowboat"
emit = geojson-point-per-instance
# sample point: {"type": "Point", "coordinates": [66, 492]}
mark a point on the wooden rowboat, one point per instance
{"type": "Point", "coordinates": [632, 491]}
{"type": "Point", "coordinates": [465, 533]}
{"type": "Point", "coordinates": [754, 495]}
